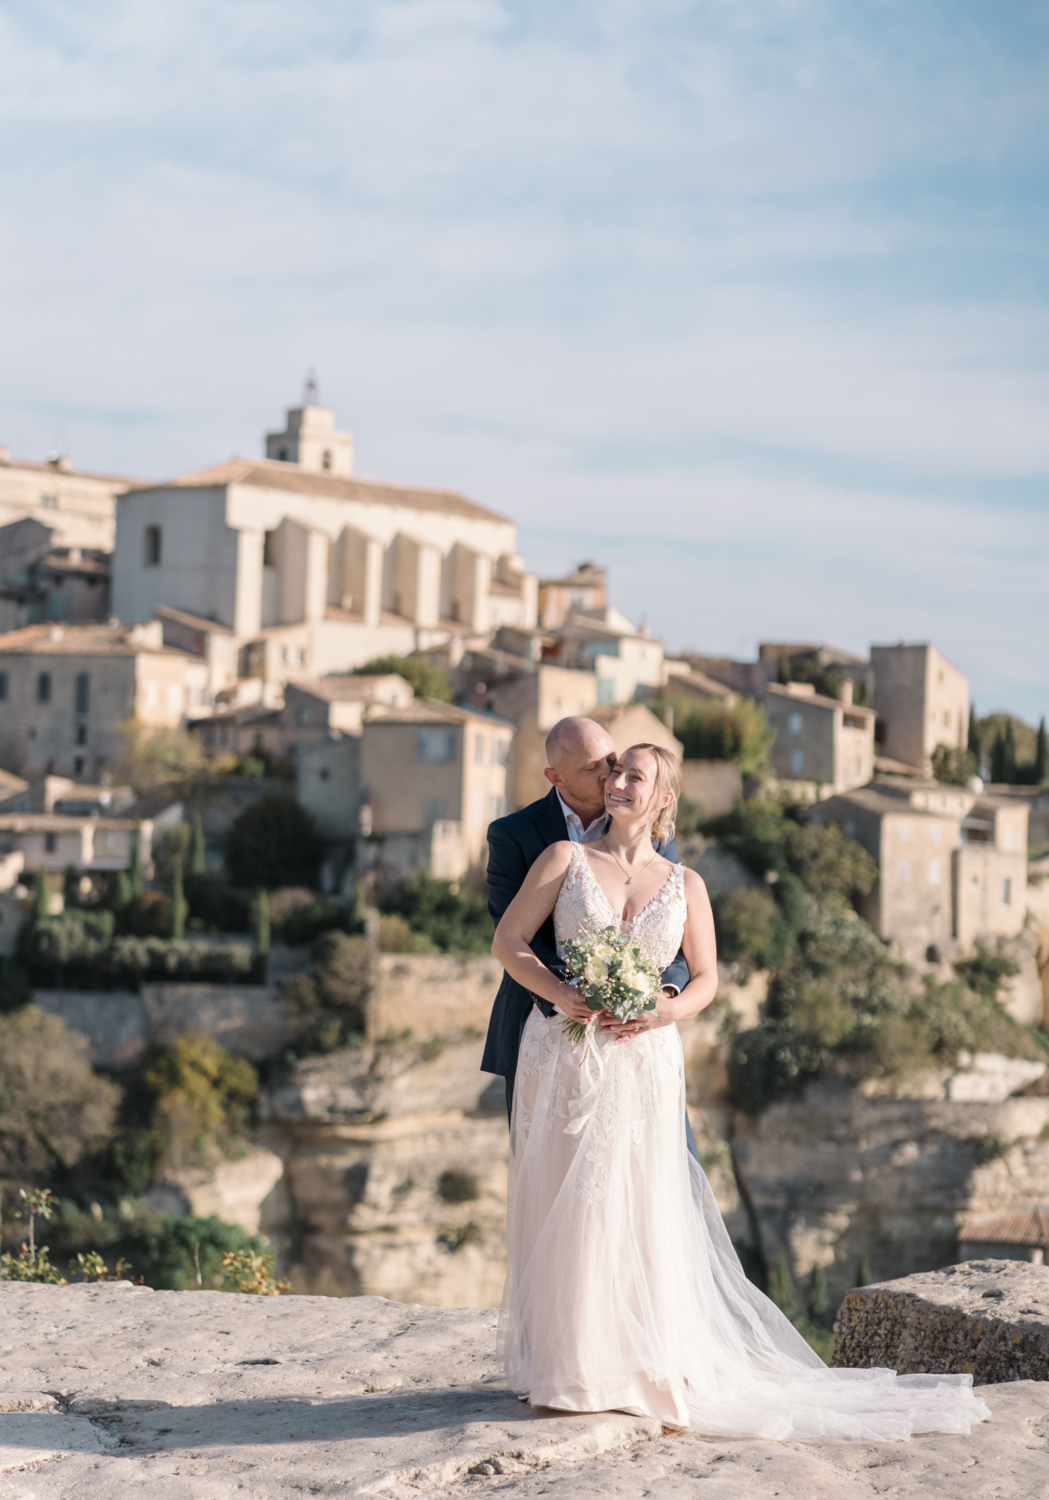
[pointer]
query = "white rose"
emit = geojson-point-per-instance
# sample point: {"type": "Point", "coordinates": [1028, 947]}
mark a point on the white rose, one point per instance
{"type": "Point", "coordinates": [596, 972]}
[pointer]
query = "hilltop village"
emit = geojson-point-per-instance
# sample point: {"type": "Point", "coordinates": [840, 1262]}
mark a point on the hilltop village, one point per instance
{"type": "Point", "coordinates": [255, 721]}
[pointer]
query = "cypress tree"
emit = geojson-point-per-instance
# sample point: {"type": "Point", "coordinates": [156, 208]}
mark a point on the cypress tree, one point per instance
{"type": "Point", "coordinates": [783, 669]}
{"type": "Point", "coordinates": [1009, 753]}
{"type": "Point", "coordinates": [195, 860]}
{"type": "Point", "coordinates": [120, 893]}
{"type": "Point", "coordinates": [1041, 755]}
{"type": "Point", "coordinates": [974, 733]}
{"type": "Point", "coordinates": [261, 923]}
{"type": "Point", "coordinates": [41, 907]}
{"type": "Point", "coordinates": [863, 1271]}
{"type": "Point", "coordinates": [781, 1289]}
{"type": "Point", "coordinates": [998, 758]}
{"type": "Point", "coordinates": [178, 904]}
{"type": "Point", "coordinates": [138, 874]}
{"type": "Point", "coordinates": [817, 1303]}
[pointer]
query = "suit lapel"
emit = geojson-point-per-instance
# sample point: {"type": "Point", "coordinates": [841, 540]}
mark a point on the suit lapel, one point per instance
{"type": "Point", "coordinates": [550, 820]}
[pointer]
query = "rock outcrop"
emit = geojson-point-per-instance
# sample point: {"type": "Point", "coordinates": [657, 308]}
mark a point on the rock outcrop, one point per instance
{"type": "Point", "coordinates": [835, 1175]}
{"type": "Point", "coordinates": [110, 1391]}
{"type": "Point", "coordinates": [986, 1318]}
{"type": "Point", "coordinates": [395, 1162]}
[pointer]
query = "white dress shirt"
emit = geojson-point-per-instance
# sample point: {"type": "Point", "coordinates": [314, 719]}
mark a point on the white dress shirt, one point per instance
{"type": "Point", "coordinates": [574, 823]}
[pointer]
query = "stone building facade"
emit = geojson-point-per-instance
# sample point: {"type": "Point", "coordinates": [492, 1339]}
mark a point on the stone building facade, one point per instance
{"type": "Point", "coordinates": [952, 864]}
{"type": "Point", "coordinates": [433, 776]}
{"type": "Point", "coordinates": [310, 570]}
{"type": "Point", "coordinates": [829, 741]}
{"type": "Point", "coordinates": [65, 690]}
{"type": "Point", "coordinates": [42, 581]}
{"type": "Point", "coordinates": [922, 702]}
{"type": "Point", "coordinates": [77, 504]}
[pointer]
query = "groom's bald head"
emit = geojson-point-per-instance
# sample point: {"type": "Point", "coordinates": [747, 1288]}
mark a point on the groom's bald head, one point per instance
{"type": "Point", "coordinates": [579, 754]}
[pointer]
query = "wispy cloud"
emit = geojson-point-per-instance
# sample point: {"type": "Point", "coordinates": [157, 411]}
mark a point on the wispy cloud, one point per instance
{"type": "Point", "coordinates": [750, 299]}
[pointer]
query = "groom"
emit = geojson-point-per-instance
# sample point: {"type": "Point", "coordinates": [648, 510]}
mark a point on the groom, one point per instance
{"type": "Point", "coordinates": [580, 755]}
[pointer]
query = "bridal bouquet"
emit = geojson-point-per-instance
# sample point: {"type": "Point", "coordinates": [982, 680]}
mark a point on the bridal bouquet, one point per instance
{"type": "Point", "coordinates": [611, 973]}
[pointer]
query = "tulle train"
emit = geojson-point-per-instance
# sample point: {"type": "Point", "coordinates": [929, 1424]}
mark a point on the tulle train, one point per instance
{"type": "Point", "coordinates": [624, 1291]}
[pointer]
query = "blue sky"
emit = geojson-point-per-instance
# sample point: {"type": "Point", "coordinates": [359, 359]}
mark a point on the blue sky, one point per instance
{"type": "Point", "coordinates": [749, 298]}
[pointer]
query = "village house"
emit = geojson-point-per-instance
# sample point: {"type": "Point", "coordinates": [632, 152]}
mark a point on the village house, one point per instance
{"type": "Point", "coordinates": [55, 842]}
{"type": "Point", "coordinates": [77, 504]}
{"type": "Point", "coordinates": [308, 569]}
{"type": "Point", "coordinates": [42, 581]}
{"type": "Point", "coordinates": [622, 657]}
{"type": "Point", "coordinates": [825, 741]}
{"type": "Point", "coordinates": [316, 708]}
{"type": "Point", "coordinates": [585, 589]}
{"type": "Point", "coordinates": [65, 691]}
{"type": "Point", "coordinates": [922, 702]}
{"type": "Point", "coordinates": [952, 863]}
{"type": "Point", "coordinates": [433, 776]}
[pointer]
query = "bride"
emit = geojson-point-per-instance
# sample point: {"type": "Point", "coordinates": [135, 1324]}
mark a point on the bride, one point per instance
{"type": "Point", "coordinates": [624, 1292]}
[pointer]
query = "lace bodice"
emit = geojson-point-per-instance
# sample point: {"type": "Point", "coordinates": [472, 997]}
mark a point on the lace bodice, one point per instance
{"type": "Point", "coordinates": [582, 904]}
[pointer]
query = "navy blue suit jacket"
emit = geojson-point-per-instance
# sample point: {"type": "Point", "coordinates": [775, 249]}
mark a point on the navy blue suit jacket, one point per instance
{"type": "Point", "coordinates": [514, 844]}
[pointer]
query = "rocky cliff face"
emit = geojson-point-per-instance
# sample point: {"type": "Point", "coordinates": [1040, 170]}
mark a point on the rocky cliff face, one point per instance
{"type": "Point", "coordinates": [383, 1170]}
{"type": "Point", "coordinates": [395, 1172]}
{"type": "Point", "coordinates": [835, 1175]}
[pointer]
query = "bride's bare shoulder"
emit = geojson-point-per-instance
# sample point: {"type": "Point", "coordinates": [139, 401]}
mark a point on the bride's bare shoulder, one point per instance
{"type": "Point", "coordinates": [554, 860]}
{"type": "Point", "coordinates": [695, 886]}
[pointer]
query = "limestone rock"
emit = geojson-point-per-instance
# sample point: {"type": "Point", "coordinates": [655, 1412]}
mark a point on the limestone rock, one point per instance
{"type": "Point", "coordinates": [374, 1082]}
{"type": "Point", "coordinates": [110, 1391]}
{"type": "Point", "coordinates": [248, 1191]}
{"type": "Point", "coordinates": [833, 1176]}
{"type": "Point", "coordinates": [986, 1318]}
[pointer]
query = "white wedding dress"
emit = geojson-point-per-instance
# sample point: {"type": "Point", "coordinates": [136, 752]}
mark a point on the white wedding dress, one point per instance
{"type": "Point", "coordinates": [624, 1292]}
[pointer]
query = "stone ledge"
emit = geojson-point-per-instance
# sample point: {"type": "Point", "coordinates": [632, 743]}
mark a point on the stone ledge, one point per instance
{"type": "Point", "coordinates": [985, 1318]}
{"type": "Point", "coordinates": [114, 1391]}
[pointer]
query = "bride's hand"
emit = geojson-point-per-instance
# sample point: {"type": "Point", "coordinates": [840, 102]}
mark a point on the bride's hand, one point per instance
{"type": "Point", "coordinates": [571, 1004]}
{"type": "Point", "coordinates": [649, 1020]}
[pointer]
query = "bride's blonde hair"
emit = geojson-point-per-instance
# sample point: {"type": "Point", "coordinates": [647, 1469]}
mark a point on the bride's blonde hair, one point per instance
{"type": "Point", "coordinates": [668, 779]}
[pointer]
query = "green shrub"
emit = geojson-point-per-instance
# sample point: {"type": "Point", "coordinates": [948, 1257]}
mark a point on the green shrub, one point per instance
{"type": "Point", "coordinates": [306, 923]}
{"type": "Point", "coordinates": [986, 970]}
{"type": "Point", "coordinates": [158, 1248]}
{"type": "Point", "coordinates": [455, 921]}
{"type": "Point", "coordinates": [327, 1006]}
{"type": "Point", "coordinates": [774, 837]}
{"type": "Point", "coordinates": [750, 931]}
{"type": "Point", "coordinates": [772, 1062]}
{"type": "Point", "coordinates": [426, 681]}
{"type": "Point", "coordinates": [217, 903]}
{"type": "Point", "coordinates": [146, 915]}
{"type": "Point", "coordinates": [54, 1108]}
{"type": "Point", "coordinates": [396, 936]}
{"type": "Point", "coordinates": [712, 730]}
{"type": "Point", "coordinates": [953, 765]}
{"type": "Point", "coordinates": [203, 1100]}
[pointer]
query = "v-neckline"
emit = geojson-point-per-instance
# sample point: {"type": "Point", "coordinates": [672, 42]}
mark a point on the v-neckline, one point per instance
{"type": "Point", "coordinates": [623, 924]}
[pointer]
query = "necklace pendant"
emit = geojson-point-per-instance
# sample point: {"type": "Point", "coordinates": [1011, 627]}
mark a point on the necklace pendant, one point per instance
{"type": "Point", "coordinates": [630, 880]}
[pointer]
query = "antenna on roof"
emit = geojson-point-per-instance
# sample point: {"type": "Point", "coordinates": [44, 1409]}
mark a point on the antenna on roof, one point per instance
{"type": "Point", "coordinates": [312, 393]}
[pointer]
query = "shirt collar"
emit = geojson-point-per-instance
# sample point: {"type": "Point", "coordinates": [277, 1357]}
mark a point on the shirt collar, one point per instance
{"type": "Point", "coordinates": [574, 823]}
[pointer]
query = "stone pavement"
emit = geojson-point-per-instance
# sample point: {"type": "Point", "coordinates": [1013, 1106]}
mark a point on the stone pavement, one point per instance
{"type": "Point", "coordinates": [118, 1391]}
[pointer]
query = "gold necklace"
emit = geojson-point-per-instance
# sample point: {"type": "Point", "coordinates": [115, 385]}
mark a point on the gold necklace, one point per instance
{"type": "Point", "coordinates": [622, 866]}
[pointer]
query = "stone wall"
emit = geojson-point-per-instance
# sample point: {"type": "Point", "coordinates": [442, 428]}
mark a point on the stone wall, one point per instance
{"type": "Point", "coordinates": [432, 995]}
{"type": "Point", "coordinates": [988, 1319]}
